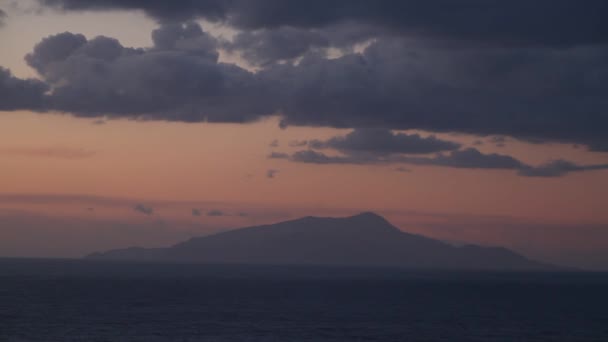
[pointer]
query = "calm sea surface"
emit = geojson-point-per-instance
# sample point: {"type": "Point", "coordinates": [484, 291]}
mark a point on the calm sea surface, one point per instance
{"type": "Point", "coordinates": [63, 300]}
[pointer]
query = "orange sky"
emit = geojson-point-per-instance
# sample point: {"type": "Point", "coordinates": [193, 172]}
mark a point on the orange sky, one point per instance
{"type": "Point", "coordinates": [57, 154]}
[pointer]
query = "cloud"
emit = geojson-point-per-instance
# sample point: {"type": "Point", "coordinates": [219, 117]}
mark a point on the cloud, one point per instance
{"type": "Point", "coordinates": [196, 212]}
{"type": "Point", "coordinates": [216, 213]}
{"type": "Point", "coordinates": [557, 168]}
{"type": "Point", "coordinates": [298, 143]}
{"type": "Point", "coordinates": [271, 173]}
{"type": "Point", "coordinates": [274, 143]}
{"type": "Point", "coordinates": [384, 142]}
{"type": "Point", "coordinates": [188, 36]}
{"type": "Point", "coordinates": [469, 158]}
{"type": "Point", "coordinates": [402, 169]}
{"type": "Point", "coordinates": [498, 141]}
{"type": "Point", "coordinates": [178, 79]}
{"type": "Point", "coordinates": [264, 47]}
{"type": "Point", "coordinates": [51, 152]}
{"type": "Point", "coordinates": [164, 11]}
{"type": "Point", "coordinates": [146, 210]}
{"type": "Point", "coordinates": [278, 155]}
{"type": "Point", "coordinates": [395, 84]}
{"type": "Point", "coordinates": [3, 17]}
{"type": "Point", "coordinates": [314, 157]}
{"type": "Point", "coordinates": [505, 23]}
{"type": "Point", "coordinates": [487, 69]}
{"type": "Point", "coordinates": [16, 93]}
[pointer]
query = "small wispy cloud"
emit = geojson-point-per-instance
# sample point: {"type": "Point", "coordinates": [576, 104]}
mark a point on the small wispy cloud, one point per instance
{"type": "Point", "coordinates": [271, 173]}
{"type": "Point", "coordinates": [146, 210]}
{"type": "Point", "coordinates": [215, 212]}
{"type": "Point", "coordinates": [47, 152]}
{"type": "Point", "coordinates": [3, 17]}
{"type": "Point", "coordinates": [298, 143]}
{"type": "Point", "coordinates": [278, 155]}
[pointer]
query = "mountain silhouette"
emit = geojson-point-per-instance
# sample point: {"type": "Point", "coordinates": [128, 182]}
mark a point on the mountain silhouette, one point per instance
{"type": "Point", "coordinates": [366, 239]}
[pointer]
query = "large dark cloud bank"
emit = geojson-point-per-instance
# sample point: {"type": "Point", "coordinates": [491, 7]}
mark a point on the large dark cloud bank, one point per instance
{"type": "Point", "coordinates": [532, 70]}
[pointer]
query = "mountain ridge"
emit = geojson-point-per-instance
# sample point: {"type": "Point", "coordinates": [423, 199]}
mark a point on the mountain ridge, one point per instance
{"type": "Point", "coordinates": [365, 239]}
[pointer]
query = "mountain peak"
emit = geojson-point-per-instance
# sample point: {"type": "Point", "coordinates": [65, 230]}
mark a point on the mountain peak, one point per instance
{"type": "Point", "coordinates": [365, 239]}
{"type": "Point", "coordinates": [366, 218]}
{"type": "Point", "coordinates": [369, 217]}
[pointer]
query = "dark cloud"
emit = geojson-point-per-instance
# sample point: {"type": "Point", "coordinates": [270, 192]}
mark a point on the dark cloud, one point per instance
{"type": "Point", "coordinates": [178, 79]}
{"type": "Point", "coordinates": [558, 23]}
{"type": "Point", "coordinates": [286, 44]}
{"type": "Point", "coordinates": [314, 157]}
{"type": "Point", "coordinates": [278, 155]}
{"type": "Point", "coordinates": [163, 10]}
{"type": "Point", "coordinates": [498, 141]}
{"type": "Point", "coordinates": [384, 142]}
{"type": "Point", "coordinates": [264, 47]}
{"type": "Point", "coordinates": [146, 210]}
{"type": "Point", "coordinates": [196, 212]}
{"type": "Point", "coordinates": [272, 173]}
{"type": "Point", "coordinates": [186, 37]}
{"type": "Point", "coordinates": [16, 93]}
{"type": "Point", "coordinates": [216, 213]}
{"type": "Point", "coordinates": [53, 50]}
{"type": "Point", "coordinates": [469, 158]}
{"type": "Point", "coordinates": [524, 93]}
{"type": "Point", "coordinates": [3, 17]}
{"type": "Point", "coordinates": [558, 168]}
{"type": "Point", "coordinates": [532, 70]}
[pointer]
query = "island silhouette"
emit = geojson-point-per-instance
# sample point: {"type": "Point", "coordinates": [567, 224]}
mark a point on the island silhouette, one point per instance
{"type": "Point", "coordinates": [366, 239]}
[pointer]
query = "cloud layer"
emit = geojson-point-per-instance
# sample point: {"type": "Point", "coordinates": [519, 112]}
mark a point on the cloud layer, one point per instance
{"type": "Point", "coordinates": [179, 79]}
{"type": "Point", "coordinates": [514, 23]}
{"type": "Point", "coordinates": [383, 141]}
{"type": "Point", "coordinates": [374, 146]}
{"type": "Point", "coordinates": [535, 71]}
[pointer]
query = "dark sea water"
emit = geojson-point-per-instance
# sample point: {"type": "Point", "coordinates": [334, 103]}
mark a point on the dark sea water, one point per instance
{"type": "Point", "coordinates": [62, 300]}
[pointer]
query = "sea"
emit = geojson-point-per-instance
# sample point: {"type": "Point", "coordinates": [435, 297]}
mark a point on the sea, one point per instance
{"type": "Point", "coordinates": [78, 300]}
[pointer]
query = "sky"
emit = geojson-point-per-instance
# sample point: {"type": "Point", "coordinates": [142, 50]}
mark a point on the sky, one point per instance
{"type": "Point", "coordinates": [144, 123]}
